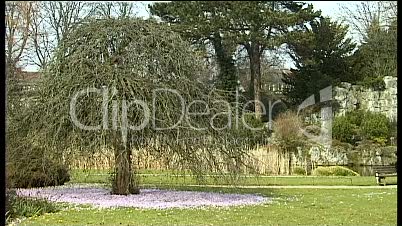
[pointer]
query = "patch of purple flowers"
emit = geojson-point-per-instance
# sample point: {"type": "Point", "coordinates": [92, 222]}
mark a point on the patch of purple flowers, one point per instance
{"type": "Point", "coordinates": [148, 198]}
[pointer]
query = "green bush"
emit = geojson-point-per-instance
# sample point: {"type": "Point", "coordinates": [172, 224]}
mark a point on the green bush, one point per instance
{"type": "Point", "coordinates": [393, 128]}
{"type": "Point", "coordinates": [243, 130]}
{"type": "Point", "coordinates": [17, 206]}
{"type": "Point", "coordinates": [375, 83]}
{"type": "Point", "coordinates": [360, 125]}
{"type": "Point", "coordinates": [344, 130]}
{"type": "Point", "coordinates": [376, 127]}
{"type": "Point", "coordinates": [355, 117]}
{"type": "Point", "coordinates": [299, 170]}
{"type": "Point", "coordinates": [32, 167]}
{"type": "Point", "coordinates": [333, 171]}
{"type": "Point", "coordinates": [393, 132]}
{"type": "Point", "coordinates": [251, 121]}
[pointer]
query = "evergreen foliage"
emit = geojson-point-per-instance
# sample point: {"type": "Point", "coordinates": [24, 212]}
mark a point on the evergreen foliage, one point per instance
{"type": "Point", "coordinates": [321, 60]}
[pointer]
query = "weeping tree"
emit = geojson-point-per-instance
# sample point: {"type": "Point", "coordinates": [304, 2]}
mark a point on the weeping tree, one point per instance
{"type": "Point", "coordinates": [126, 85]}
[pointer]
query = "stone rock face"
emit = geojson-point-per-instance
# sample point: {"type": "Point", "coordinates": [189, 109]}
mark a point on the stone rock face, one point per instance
{"type": "Point", "coordinates": [390, 82]}
{"type": "Point", "coordinates": [352, 97]}
{"type": "Point", "coordinates": [370, 154]}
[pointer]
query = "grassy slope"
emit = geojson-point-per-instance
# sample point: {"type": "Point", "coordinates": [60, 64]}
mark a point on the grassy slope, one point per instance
{"type": "Point", "coordinates": [291, 207]}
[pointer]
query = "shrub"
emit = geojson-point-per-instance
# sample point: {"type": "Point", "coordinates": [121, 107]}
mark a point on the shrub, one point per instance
{"type": "Point", "coordinates": [344, 130]}
{"type": "Point", "coordinates": [376, 127]}
{"type": "Point", "coordinates": [288, 133]}
{"type": "Point", "coordinates": [17, 206]}
{"type": "Point", "coordinates": [393, 132]}
{"type": "Point", "coordinates": [253, 136]}
{"type": "Point", "coordinates": [358, 125]}
{"type": "Point", "coordinates": [299, 170]}
{"type": "Point", "coordinates": [334, 171]}
{"type": "Point", "coordinates": [287, 127]}
{"type": "Point", "coordinates": [375, 83]}
{"type": "Point", "coordinates": [32, 167]}
{"type": "Point", "coordinates": [251, 121]}
{"type": "Point", "coordinates": [355, 117]}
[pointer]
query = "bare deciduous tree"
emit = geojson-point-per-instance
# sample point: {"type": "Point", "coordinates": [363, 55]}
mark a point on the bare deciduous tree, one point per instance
{"type": "Point", "coordinates": [115, 9]}
{"type": "Point", "coordinates": [18, 20]}
{"type": "Point", "coordinates": [51, 21]}
{"type": "Point", "coordinates": [361, 14]}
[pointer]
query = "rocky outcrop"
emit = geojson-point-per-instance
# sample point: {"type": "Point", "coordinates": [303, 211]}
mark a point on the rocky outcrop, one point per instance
{"type": "Point", "coordinates": [352, 97]}
{"type": "Point", "coordinates": [365, 154]}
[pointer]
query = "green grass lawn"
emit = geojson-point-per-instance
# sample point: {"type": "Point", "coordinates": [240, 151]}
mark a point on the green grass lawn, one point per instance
{"type": "Point", "coordinates": [169, 178]}
{"type": "Point", "coordinates": [290, 207]}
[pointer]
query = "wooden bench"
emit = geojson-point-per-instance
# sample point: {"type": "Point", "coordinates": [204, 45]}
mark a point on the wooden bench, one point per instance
{"type": "Point", "coordinates": [381, 172]}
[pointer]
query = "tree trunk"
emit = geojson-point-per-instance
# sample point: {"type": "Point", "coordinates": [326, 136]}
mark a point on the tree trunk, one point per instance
{"type": "Point", "coordinates": [251, 85]}
{"type": "Point", "coordinates": [124, 182]}
{"type": "Point", "coordinates": [227, 79]}
{"type": "Point", "coordinates": [255, 72]}
{"type": "Point", "coordinates": [10, 67]}
{"type": "Point", "coordinates": [290, 163]}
